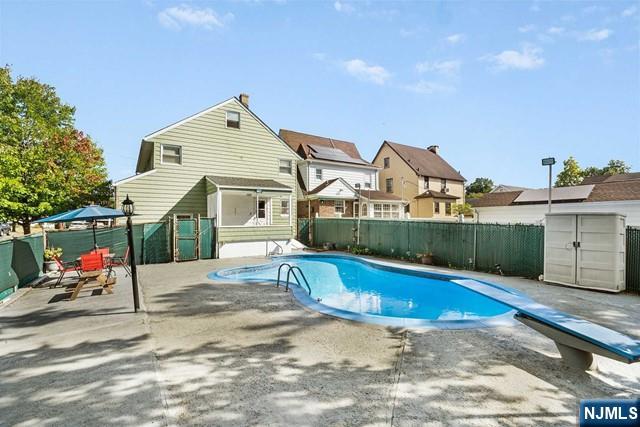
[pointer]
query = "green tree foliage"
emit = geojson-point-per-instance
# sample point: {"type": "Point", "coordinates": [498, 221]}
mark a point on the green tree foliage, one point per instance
{"type": "Point", "coordinates": [572, 174]}
{"type": "Point", "coordinates": [464, 209]}
{"type": "Point", "coordinates": [480, 186]}
{"type": "Point", "coordinates": [46, 165]}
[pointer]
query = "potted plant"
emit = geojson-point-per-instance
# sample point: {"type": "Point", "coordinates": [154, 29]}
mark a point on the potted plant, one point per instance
{"type": "Point", "coordinates": [49, 259]}
{"type": "Point", "coordinates": [426, 259]}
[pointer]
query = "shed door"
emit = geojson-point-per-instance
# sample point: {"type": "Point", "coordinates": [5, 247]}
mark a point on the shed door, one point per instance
{"type": "Point", "coordinates": [598, 254]}
{"type": "Point", "coordinates": [559, 252]}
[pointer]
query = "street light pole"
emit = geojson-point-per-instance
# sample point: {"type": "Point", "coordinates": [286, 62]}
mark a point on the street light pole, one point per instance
{"type": "Point", "coordinates": [549, 161]}
{"type": "Point", "coordinates": [128, 208]}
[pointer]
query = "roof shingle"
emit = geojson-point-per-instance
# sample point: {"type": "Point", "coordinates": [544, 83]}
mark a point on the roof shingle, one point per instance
{"type": "Point", "coordinates": [300, 143]}
{"type": "Point", "coordinates": [425, 162]}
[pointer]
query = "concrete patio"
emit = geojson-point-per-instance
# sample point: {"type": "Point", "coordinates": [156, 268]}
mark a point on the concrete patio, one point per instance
{"type": "Point", "coordinates": [205, 353]}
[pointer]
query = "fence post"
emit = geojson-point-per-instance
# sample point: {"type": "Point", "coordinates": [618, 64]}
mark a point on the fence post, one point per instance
{"type": "Point", "coordinates": [475, 244]}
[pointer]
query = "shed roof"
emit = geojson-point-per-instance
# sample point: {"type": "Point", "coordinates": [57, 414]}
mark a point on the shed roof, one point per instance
{"type": "Point", "coordinates": [247, 183]}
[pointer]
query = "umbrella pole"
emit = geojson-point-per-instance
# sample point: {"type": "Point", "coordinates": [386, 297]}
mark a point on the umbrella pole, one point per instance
{"type": "Point", "coordinates": [95, 242]}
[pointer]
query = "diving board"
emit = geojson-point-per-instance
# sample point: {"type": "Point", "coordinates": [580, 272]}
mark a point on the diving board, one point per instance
{"type": "Point", "coordinates": [576, 339]}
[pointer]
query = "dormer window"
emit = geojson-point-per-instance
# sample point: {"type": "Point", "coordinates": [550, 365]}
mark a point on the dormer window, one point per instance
{"type": "Point", "coordinates": [233, 119]}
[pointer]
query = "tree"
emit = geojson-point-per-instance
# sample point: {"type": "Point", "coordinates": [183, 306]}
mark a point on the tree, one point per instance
{"type": "Point", "coordinates": [462, 209]}
{"type": "Point", "coordinates": [480, 185]}
{"type": "Point", "coordinates": [571, 173]}
{"type": "Point", "coordinates": [615, 167]}
{"type": "Point", "coordinates": [46, 165]}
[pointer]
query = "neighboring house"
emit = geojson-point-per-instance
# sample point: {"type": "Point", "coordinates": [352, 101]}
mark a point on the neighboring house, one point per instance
{"type": "Point", "coordinates": [334, 180]}
{"type": "Point", "coordinates": [427, 184]}
{"type": "Point", "coordinates": [224, 163]}
{"type": "Point", "coordinates": [612, 194]}
{"type": "Point", "coordinates": [501, 188]}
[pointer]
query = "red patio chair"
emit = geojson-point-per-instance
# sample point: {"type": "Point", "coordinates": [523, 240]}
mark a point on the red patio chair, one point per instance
{"type": "Point", "coordinates": [63, 268]}
{"type": "Point", "coordinates": [91, 262]}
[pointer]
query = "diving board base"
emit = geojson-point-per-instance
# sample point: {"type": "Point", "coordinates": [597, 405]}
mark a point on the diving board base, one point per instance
{"type": "Point", "coordinates": [576, 353]}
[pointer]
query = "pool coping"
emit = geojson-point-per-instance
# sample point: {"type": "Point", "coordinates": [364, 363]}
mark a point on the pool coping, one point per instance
{"type": "Point", "coordinates": [505, 319]}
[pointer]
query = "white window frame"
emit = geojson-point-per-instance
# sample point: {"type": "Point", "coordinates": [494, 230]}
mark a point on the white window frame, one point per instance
{"type": "Point", "coordinates": [386, 185]}
{"type": "Point", "coordinates": [290, 166]}
{"type": "Point", "coordinates": [342, 207]}
{"type": "Point", "coordinates": [426, 182]}
{"type": "Point", "coordinates": [284, 202]}
{"type": "Point", "coordinates": [162, 162]}
{"type": "Point", "coordinates": [319, 173]}
{"type": "Point", "coordinates": [226, 119]}
{"type": "Point", "coordinates": [377, 210]}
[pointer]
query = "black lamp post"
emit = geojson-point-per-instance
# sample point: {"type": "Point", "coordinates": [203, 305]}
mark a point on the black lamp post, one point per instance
{"type": "Point", "coordinates": [127, 209]}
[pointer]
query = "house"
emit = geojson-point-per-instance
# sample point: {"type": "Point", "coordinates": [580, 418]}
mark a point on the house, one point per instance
{"type": "Point", "coordinates": [612, 194]}
{"type": "Point", "coordinates": [427, 184]}
{"type": "Point", "coordinates": [224, 163]}
{"type": "Point", "coordinates": [334, 180]}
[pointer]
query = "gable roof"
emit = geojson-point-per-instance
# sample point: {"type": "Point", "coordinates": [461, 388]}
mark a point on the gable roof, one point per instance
{"type": "Point", "coordinates": [435, 195]}
{"type": "Point", "coordinates": [215, 107]}
{"type": "Point", "coordinates": [598, 179]}
{"type": "Point", "coordinates": [310, 147]}
{"type": "Point", "coordinates": [502, 198]}
{"type": "Point", "coordinates": [424, 162]}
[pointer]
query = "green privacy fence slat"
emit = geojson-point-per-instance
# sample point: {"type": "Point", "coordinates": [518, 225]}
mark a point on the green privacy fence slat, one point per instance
{"type": "Point", "coordinates": [519, 249]}
{"type": "Point", "coordinates": [151, 242]}
{"type": "Point", "coordinates": [20, 261]}
{"type": "Point", "coordinates": [303, 231]}
{"type": "Point", "coordinates": [633, 259]}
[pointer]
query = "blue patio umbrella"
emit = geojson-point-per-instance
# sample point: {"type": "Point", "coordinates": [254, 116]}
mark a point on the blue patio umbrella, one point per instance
{"type": "Point", "coordinates": [87, 213]}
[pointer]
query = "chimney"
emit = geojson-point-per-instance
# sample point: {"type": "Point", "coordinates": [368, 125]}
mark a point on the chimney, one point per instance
{"type": "Point", "coordinates": [434, 148]}
{"type": "Point", "coordinates": [244, 98]}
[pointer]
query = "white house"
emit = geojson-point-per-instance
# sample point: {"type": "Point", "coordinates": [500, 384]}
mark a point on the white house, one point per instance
{"type": "Point", "coordinates": [613, 194]}
{"type": "Point", "coordinates": [334, 180]}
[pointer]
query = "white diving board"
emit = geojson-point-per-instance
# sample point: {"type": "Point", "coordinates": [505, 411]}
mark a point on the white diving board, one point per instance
{"type": "Point", "coordinates": [575, 338]}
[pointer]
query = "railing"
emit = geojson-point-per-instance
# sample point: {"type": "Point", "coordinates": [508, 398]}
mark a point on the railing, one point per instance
{"type": "Point", "coordinates": [279, 250]}
{"type": "Point", "coordinates": [292, 269]}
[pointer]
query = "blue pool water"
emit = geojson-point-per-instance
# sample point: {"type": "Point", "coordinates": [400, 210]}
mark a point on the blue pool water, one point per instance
{"type": "Point", "coordinates": [359, 289]}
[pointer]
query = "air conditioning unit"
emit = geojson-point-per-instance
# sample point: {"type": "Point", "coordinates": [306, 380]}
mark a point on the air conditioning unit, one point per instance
{"type": "Point", "coordinates": [446, 190]}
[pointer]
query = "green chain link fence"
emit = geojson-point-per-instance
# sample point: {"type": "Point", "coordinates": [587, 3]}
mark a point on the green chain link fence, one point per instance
{"type": "Point", "coordinates": [518, 249]}
{"type": "Point", "coordinates": [20, 262]}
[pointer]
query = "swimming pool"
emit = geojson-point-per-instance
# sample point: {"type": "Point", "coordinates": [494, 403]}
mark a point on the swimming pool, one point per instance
{"type": "Point", "coordinates": [379, 292]}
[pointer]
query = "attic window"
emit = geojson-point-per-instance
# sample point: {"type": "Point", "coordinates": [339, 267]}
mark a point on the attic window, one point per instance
{"type": "Point", "coordinates": [233, 119]}
{"type": "Point", "coordinates": [171, 154]}
{"type": "Point", "coordinates": [286, 166]}
{"type": "Point", "coordinates": [386, 162]}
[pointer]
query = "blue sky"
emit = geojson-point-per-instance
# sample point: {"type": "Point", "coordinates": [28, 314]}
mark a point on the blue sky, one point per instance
{"type": "Point", "coordinates": [498, 85]}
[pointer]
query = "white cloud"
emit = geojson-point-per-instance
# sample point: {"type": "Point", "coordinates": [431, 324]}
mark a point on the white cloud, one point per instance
{"type": "Point", "coordinates": [455, 38]}
{"type": "Point", "coordinates": [630, 11]}
{"type": "Point", "coordinates": [526, 28]}
{"type": "Point", "coordinates": [447, 68]}
{"type": "Point", "coordinates": [343, 7]}
{"type": "Point", "coordinates": [363, 71]}
{"type": "Point", "coordinates": [595, 35]}
{"type": "Point", "coordinates": [178, 17]}
{"type": "Point", "coordinates": [528, 58]}
{"type": "Point", "coordinates": [428, 87]}
{"type": "Point", "coordinates": [555, 30]}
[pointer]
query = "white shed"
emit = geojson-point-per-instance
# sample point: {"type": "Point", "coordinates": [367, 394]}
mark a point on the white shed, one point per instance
{"type": "Point", "coordinates": [586, 250]}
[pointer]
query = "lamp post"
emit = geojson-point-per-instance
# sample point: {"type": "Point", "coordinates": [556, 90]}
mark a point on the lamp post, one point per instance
{"type": "Point", "coordinates": [359, 213]}
{"type": "Point", "coordinates": [128, 208]}
{"type": "Point", "coordinates": [549, 161]}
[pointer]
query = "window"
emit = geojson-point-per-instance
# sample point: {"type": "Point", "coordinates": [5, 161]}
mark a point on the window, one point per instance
{"type": "Point", "coordinates": [364, 209]}
{"type": "Point", "coordinates": [386, 162]}
{"type": "Point", "coordinates": [285, 167]}
{"type": "Point", "coordinates": [426, 182]}
{"type": "Point", "coordinates": [339, 206]}
{"type": "Point", "coordinates": [443, 185]}
{"type": "Point", "coordinates": [233, 119]}
{"type": "Point", "coordinates": [389, 183]}
{"type": "Point", "coordinates": [377, 210]}
{"type": "Point", "coordinates": [436, 207]}
{"type": "Point", "coordinates": [395, 211]}
{"type": "Point", "coordinates": [319, 174]}
{"type": "Point", "coordinates": [262, 209]}
{"type": "Point", "coordinates": [171, 154]}
{"type": "Point", "coordinates": [356, 209]}
{"type": "Point", "coordinates": [284, 207]}
{"type": "Point", "coordinates": [367, 185]}
{"type": "Point", "coordinates": [447, 208]}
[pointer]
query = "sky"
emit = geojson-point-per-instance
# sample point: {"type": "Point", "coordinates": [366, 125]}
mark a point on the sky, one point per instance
{"type": "Point", "coordinates": [497, 85]}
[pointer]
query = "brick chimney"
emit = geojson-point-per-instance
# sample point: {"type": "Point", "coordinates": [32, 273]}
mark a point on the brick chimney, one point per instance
{"type": "Point", "coordinates": [244, 98]}
{"type": "Point", "coordinates": [434, 149]}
